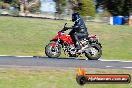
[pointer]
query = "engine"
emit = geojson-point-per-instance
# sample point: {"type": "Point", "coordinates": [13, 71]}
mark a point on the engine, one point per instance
{"type": "Point", "coordinates": [70, 48]}
{"type": "Point", "coordinates": [84, 42]}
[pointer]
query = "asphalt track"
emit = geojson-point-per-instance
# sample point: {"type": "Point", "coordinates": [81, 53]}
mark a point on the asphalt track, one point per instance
{"type": "Point", "coordinates": [8, 61]}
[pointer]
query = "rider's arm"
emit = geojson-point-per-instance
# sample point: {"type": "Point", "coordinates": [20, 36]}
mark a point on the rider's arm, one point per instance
{"type": "Point", "coordinates": [76, 26]}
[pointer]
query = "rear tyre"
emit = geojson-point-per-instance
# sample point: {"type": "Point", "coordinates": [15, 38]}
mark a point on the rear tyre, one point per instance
{"type": "Point", "coordinates": [52, 52]}
{"type": "Point", "coordinates": [94, 53]}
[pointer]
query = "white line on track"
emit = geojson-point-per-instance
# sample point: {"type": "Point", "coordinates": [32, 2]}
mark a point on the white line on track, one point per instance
{"type": "Point", "coordinates": [99, 59]}
{"type": "Point", "coordinates": [15, 56]}
{"type": "Point", "coordinates": [108, 66]}
{"type": "Point", "coordinates": [114, 60]}
{"type": "Point", "coordinates": [127, 67]}
{"type": "Point", "coordinates": [125, 61]}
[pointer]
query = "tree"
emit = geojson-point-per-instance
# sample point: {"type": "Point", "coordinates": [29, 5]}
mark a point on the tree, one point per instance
{"type": "Point", "coordinates": [60, 4]}
{"type": "Point", "coordinates": [84, 7]}
{"type": "Point", "coordinates": [116, 7]}
{"type": "Point", "coordinates": [4, 4]}
{"type": "Point", "coordinates": [74, 4]}
{"type": "Point", "coordinates": [34, 5]}
{"type": "Point", "coordinates": [23, 5]}
{"type": "Point", "coordinates": [16, 4]}
{"type": "Point", "coordinates": [7, 1]}
{"type": "Point", "coordinates": [87, 8]}
{"type": "Point", "coordinates": [29, 6]}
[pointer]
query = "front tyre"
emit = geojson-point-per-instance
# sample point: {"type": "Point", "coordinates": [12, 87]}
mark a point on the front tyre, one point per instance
{"type": "Point", "coordinates": [52, 52]}
{"type": "Point", "coordinates": [94, 52]}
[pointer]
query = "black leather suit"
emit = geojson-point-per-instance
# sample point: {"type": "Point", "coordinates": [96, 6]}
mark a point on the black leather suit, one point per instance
{"type": "Point", "coordinates": [79, 31]}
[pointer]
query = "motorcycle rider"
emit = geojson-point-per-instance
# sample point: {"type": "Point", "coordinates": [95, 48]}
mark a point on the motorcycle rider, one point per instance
{"type": "Point", "coordinates": [78, 31]}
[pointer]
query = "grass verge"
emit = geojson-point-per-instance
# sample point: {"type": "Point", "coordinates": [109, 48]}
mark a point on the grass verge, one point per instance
{"type": "Point", "coordinates": [52, 78]}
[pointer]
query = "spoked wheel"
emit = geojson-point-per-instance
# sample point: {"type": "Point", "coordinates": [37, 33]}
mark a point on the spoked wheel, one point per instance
{"type": "Point", "coordinates": [52, 52]}
{"type": "Point", "coordinates": [94, 52]}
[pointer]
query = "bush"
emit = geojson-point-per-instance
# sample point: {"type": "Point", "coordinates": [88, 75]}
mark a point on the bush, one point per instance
{"type": "Point", "coordinates": [34, 8]}
{"type": "Point", "coordinates": [105, 13]}
{"type": "Point", "coordinates": [5, 6]}
{"type": "Point", "coordinates": [1, 3]}
{"type": "Point", "coordinates": [14, 12]}
{"type": "Point", "coordinates": [87, 8]}
{"type": "Point", "coordinates": [15, 3]}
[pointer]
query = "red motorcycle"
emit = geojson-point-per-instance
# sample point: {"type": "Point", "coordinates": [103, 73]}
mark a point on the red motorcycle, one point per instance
{"type": "Point", "coordinates": [89, 46]}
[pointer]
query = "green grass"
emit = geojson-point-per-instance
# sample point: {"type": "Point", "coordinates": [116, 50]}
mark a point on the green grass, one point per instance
{"type": "Point", "coordinates": [22, 36]}
{"type": "Point", "coordinates": [53, 78]}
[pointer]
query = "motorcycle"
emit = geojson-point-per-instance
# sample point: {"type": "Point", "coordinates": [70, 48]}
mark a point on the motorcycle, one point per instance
{"type": "Point", "coordinates": [90, 46]}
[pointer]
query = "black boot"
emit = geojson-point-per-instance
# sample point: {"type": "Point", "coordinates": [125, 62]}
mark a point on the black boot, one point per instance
{"type": "Point", "coordinates": [78, 47]}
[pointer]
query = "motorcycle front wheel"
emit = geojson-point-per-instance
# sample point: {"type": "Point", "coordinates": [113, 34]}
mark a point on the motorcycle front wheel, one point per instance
{"type": "Point", "coordinates": [94, 52]}
{"type": "Point", "coordinates": [52, 52]}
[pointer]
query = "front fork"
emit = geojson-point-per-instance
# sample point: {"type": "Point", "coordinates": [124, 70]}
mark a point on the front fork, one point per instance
{"type": "Point", "coordinates": [55, 43]}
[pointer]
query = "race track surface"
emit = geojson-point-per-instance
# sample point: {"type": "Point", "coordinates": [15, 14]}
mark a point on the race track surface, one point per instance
{"type": "Point", "coordinates": [61, 62]}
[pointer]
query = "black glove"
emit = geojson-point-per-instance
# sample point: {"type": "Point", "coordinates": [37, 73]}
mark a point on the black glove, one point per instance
{"type": "Point", "coordinates": [66, 28]}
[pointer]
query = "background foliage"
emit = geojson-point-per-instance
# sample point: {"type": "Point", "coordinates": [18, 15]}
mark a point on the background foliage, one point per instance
{"type": "Point", "coordinates": [87, 8]}
{"type": "Point", "coordinates": [116, 7]}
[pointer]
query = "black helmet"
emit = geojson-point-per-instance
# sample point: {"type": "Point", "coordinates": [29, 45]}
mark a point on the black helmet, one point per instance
{"type": "Point", "coordinates": [75, 16]}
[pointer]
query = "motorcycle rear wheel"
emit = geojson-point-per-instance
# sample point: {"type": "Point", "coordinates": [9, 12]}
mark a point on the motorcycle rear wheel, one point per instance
{"type": "Point", "coordinates": [52, 52]}
{"type": "Point", "coordinates": [95, 52]}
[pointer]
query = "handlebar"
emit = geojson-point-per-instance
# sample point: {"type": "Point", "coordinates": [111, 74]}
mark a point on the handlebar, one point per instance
{"type": "Point", "coordinates": [65, 25]}
{"type": "Point", "coordinates": [63, 28]}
